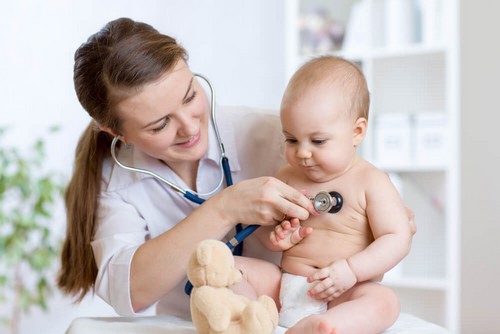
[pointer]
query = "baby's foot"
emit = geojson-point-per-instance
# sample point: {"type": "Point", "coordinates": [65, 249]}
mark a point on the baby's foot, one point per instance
{"type": "Point", "coordinates": [312, 325]}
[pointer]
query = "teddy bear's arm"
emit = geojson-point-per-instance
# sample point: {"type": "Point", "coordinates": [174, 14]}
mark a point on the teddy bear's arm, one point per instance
{"type": "Point", "coordinates": [210, 303]}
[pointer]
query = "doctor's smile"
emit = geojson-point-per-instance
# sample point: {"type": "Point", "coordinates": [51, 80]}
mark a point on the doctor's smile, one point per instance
{"type": "Point", "coordinates": [192, 141]}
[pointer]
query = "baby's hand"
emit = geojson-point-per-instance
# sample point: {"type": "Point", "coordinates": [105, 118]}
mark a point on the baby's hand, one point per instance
{"type": "Point", "coordinates": [289, 233]}
{"type": "Point", "coordinates": [332, 281]}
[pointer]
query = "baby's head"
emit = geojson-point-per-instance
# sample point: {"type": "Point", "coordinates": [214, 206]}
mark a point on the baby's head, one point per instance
{"type": "Point", "coordinates": [327, 79]}
{"type": "Point", "coordinates": [324, 115]}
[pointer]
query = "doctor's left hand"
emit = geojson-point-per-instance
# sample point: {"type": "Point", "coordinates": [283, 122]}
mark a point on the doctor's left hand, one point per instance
{"type": "Point", "coordinates": [264, 201]}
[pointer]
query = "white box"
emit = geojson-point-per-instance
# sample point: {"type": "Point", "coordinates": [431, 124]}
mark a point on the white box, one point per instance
{"type": "Point", "coordinates": [431, 139]}
{"type": "Point", "coordinates": [393, 140]}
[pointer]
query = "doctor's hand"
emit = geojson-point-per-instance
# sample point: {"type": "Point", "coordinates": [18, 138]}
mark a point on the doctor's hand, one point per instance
{"type": "Point", "coordinates": [264, 201]}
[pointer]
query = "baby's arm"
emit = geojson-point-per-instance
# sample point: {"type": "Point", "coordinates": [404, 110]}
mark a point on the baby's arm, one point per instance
{"type": "Point", "coordinates": [388, 221]}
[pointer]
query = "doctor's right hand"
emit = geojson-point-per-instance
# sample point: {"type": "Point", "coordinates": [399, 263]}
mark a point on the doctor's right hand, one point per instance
{"type": "Point", "coordinates": [265, 201]}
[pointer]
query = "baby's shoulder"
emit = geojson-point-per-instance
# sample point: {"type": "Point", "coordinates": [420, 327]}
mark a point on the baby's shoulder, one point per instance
{"type": "Point", "coordinates": [370, 174]}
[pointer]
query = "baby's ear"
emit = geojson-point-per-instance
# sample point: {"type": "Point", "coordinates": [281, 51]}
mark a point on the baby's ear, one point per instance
{"type": "Point", "coordinates": [359, 131]}
{"type": "Point", "coordinates": [204, 253]}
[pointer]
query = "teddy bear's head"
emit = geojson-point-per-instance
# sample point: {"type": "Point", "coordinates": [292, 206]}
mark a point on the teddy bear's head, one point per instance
{"type": "Point", "coordinates": [212, 264]}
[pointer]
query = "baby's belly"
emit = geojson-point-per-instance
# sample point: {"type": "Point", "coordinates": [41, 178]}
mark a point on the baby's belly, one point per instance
{"type": "Point", "coordinates": [320, 249]}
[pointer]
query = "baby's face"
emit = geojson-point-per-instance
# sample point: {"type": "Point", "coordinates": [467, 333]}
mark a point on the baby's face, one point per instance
{"type": "Point", "coordinates": [319, 132]}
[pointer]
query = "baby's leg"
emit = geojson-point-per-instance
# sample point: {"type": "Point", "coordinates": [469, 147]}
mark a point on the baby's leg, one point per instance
{"type": "Point", "coordinates": [366, 308]}
{"type": "Point", "coordinates": [313, 324]}
{"type": "Point", "coordinates": [259, 278]}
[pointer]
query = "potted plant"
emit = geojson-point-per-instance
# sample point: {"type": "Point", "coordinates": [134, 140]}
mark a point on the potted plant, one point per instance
{"type": "Point", "coordinates": [29, 246]}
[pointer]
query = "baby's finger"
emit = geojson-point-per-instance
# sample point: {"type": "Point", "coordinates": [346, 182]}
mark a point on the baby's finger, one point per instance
{"type": "Point", "coordinates": [274, 238]}
{"type": "Point", "coordinates": [305, 231]}
{"type": "Point", "coordinates": [318, 275]}
{"type": "Point", "coordinates": [294, 222]}
{"type": "Point", "coordinates": [286, 225]}
{"type": "Point", "coordinates": [278, 231]}
{"type": "Point", "coordinates": [321, 288]}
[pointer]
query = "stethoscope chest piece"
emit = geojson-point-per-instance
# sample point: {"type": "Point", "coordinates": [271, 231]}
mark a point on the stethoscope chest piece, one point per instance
{"type": "Point", "coordinates": [330, 202]}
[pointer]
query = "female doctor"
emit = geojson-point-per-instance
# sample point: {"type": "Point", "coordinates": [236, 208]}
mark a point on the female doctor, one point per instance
{"type": "Point", "coordinates": [129, 236]}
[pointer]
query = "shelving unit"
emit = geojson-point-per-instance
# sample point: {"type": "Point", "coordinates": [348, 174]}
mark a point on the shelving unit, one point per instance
{"type": "Point", "coordinates": [407, 51]}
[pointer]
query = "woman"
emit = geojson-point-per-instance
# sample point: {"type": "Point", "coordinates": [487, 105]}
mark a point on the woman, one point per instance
{"type": "Point", "coordinates": [129, 236]}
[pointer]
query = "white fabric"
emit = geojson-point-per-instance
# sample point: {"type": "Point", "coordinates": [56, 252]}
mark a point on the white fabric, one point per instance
{"type": "Point", "coordinates": [134, 207]}
{"type": "Point", "coordinates": [406, 324]}
{"type": "Point", "coordinates": [295, 303]}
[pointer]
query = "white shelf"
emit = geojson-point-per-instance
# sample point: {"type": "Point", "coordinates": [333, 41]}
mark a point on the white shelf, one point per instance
{"type": "Point", "coordinates": [418, 283]}
{"type": "Point", "coordinates": [414, 50]}
{"type": "Point", "coordinates": [391, 168]}
{"type": "Point", "coordinates": [410, 78]}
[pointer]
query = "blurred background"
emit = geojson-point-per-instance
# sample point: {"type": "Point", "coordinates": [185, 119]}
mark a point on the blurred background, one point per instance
{"type": "Point", "coordinates": [432, 67]}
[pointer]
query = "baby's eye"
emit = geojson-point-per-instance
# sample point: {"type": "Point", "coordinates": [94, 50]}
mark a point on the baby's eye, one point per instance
{"type": "Point", "coordinates": [318, 141]}
{"type": "Point", "coordinates": [290, 140]}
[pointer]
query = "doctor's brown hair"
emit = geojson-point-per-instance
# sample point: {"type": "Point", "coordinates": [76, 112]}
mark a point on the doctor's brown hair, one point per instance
{"type": "Point", "coordinates": [111, 66]}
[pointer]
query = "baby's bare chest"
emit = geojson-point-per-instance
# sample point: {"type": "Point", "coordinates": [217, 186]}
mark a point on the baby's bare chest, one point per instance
{"type": "Point", "coordinates": [335, 235]}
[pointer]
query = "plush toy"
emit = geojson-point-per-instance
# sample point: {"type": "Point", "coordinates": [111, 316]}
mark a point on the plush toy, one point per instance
{"type": "Point", "coordinates": [217, 309]}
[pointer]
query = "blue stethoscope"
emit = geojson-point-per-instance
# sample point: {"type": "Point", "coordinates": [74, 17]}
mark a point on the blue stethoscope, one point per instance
{"type": "Point", "coordinates": [236, 243]}
{"type": "Point", "coordinates": [323, 201]}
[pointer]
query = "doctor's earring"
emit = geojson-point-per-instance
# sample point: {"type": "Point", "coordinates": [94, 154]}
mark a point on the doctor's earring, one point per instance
{"type": "Point", "coordinates": [127, 145]}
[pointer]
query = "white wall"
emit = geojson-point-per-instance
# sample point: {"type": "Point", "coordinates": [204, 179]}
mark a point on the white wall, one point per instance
{"type": "Point", "coordinates": [480, 163]}
{"type": "Point", "coordinates": [238, 44]}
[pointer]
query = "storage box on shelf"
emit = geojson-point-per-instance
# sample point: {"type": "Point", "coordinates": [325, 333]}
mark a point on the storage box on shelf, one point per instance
{"type": "Point", "coordinates": [404, 50]}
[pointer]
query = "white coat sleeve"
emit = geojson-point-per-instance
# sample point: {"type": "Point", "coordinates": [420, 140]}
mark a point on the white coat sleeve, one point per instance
{"type": "Point", "coordinates": [121, 230]}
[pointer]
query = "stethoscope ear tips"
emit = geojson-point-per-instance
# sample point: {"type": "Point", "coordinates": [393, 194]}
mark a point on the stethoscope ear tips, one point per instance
{"type": "Point", "coordinates": [330, 202]}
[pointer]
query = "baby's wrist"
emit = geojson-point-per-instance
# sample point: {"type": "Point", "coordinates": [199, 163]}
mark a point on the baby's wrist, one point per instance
{"type": "Point", "coordinates": [350, 266]}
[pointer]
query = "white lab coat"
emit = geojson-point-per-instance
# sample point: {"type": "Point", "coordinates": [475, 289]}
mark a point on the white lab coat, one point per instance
{"type": "Point", "coordinates": [134, 207]}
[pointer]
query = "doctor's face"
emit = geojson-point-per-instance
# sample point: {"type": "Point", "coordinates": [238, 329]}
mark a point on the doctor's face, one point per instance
{"type": "Point", "coordinates": [168, 119]}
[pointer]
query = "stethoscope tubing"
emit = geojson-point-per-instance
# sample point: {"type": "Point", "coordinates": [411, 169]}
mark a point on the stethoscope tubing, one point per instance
{"type": "Point", "coordinates": [241, 233]}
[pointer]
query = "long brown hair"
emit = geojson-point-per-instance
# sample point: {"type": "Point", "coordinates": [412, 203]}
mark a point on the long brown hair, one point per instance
{"type": "Point", "coordinates": [113, 64]}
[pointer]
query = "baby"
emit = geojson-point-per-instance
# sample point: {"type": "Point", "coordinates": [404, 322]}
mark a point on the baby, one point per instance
{"type": "Point", "coordinates": [332, 262]}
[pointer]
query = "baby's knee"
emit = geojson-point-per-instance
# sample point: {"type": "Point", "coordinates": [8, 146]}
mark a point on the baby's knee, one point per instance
{"type": "Point", "coordinates": [264, 277]}
{"type": "Point", "coordinates": [388, 303]}
{"type": "Point", "coordinates": [257, 270]}
{"type": "Point", "coordinates": [386, 300]}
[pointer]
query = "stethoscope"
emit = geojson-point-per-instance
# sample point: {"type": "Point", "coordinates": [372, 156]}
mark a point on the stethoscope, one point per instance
{"type": "Point", "coordinates": [323, 201]}
{"type": "Point", "coordinates": [235, 243]}
{"type": "Point", "coordinates": [330, 202]}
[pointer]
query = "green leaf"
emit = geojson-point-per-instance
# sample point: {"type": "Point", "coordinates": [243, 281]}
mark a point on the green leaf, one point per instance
{"type": "Point", "coordinates": [29, 194]}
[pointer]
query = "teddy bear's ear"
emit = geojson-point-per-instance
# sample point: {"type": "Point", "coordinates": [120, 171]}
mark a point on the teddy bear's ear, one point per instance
{"type": "Point", "coordinates": [204, 253]}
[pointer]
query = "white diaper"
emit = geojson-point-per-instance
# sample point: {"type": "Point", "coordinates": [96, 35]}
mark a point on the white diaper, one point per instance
{"type": "Point", "coordinates": [295, 303]}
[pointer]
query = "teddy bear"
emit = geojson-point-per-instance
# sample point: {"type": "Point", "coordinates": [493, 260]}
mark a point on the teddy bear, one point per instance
{"type": "Point", "coordinates": [215, 308]}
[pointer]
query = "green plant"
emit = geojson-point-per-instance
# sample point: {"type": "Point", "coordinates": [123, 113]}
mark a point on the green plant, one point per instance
{"type": "Point", "coordinates": [29, 246]}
